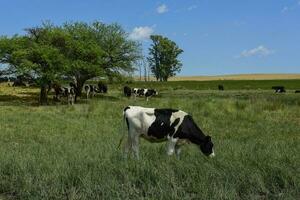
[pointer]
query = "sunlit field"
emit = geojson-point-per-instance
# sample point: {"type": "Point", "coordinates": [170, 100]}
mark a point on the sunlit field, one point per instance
{"type": "Point", "coordinates": [71, 152]}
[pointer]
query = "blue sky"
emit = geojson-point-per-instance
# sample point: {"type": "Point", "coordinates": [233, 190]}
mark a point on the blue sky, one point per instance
{"type": "Point", "coordinates": [218, 37]}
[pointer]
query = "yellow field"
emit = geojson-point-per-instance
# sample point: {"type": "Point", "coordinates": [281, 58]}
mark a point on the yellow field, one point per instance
{"type": "Point", "coordinates": [233, 77]}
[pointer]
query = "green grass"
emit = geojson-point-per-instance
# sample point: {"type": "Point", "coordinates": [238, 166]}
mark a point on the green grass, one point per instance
{"type": "Point", "coordinates": [70, 152]}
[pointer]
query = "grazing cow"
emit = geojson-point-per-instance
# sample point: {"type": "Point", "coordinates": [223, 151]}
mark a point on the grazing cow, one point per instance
{"type": "Point", "coordinates": [136, 91]}
{"type": "Point", "coordinates": [220, 87]}
{"type": "Point", "coordinates": [279, 89]}
{"type": "Point", "coordinates": [68, 92]}
{"type": "Point", "coordinates": [102, 88]}
{"type": "Point", "coordinates": [90, 90]}
{"type": "Point", "coordinates": [144, 92]}
{"type": "Point", "coordinates": [297, 91]}
{"type": "Point", "coordinates": [149, 93]}
{"type": "Point", "coordinates": [157, 125]}
{"type": "Point", "coordinates": [127, 91]}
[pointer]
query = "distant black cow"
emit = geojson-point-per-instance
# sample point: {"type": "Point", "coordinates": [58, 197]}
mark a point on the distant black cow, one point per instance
{"type": "Point", "coordinates": [279, 89]}
{"type": "Point", "coordinates": [127, 91]}
{"type": "Point", "coordinates": [157, 125]}
{"type": "Point", "coordinates": [297, 91]}
{"type": "Point", "coordinates": [220, 87]}
{"type": "Point", "coordinates": [102, 88]}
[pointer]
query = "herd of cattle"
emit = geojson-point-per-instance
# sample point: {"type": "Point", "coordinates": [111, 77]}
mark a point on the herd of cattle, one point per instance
{"type": "Point", "coordinates": [155, 125]}
{"type": "Point", "coordinates": [90, 90]}
{"type": "Point", "coordinates": [69, 92]}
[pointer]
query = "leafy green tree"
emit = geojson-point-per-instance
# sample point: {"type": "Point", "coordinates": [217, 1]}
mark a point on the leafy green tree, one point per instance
{"type": "Point", "coordinates": [35, 53]}
{"type": "Point", "coordinates": [98, 49]}
{"type": "Point", "coordinates": [78, 50]}
{"type": "Point", "coordinates": [121, 53]}
{"type": "Point", "coordinates": [163, 57]}
{"type": "Point", "coordinates": [84, 55]}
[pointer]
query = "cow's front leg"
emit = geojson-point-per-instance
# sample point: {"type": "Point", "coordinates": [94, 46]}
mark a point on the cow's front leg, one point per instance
{"type": "Point", "coordinates": [135, 146]}
{"type": "Point", "coordinates": [127, 147]}
{"type": "Point", "coordinates": [171, 145]}
{"type": "Point", "coordinates": [177, 150]}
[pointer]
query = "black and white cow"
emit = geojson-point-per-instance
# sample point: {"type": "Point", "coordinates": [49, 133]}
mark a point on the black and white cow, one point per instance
{"type": "Point", "coordinates": [64, 91]}
{"type": "Point", "coordinates": [137, 91]}
{"type": "Point", "coordinates": [279, 89]}
{"type": "Point", "coordinates": [127, 91]}
{"type": "Point", "coordinates": [297, 91]}
{"type": "Point", "coordinates": [157, 125]}
{"type": "Point", "coordinates": [90, 90]}
{"type": "Point", "coordinates": [144, 92]}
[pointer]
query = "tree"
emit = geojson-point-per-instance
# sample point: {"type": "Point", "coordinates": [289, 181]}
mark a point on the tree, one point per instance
{"type": "Point", "coordinates": [121, 53]}
{"type": "Point", "coordinates": [76, 50]}
{"type": "Point", "coordinates": [84, 55]}
{"type": "Point", "coordinates": [99, 49]}
{"type": "Point", "coordinates": [35, 53]}
{"type": "Point", "coordinates": [163, 57]}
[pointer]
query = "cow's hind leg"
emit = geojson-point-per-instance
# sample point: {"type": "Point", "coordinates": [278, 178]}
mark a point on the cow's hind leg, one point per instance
{"type": "Point", "coordinates": [127, 147]}
{"type": "Point", "coordinates": [135, 145]}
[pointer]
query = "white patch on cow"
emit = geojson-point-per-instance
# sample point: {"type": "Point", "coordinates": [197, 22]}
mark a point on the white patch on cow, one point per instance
{"type": "Point", "coordinates": [179, 114]}
{"type": "Point", "coordinates": [212, 154]}
{"type": "Point", "coordinates": [139, 119]}
{"type": "Point", "coordinates": [145, 91]}
{"type": "Point", "coordinates": [162, 124]}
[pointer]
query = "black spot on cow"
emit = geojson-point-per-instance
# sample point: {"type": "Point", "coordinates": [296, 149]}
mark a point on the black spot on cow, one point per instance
{"type": "Point", "coordinates": [150, 92]}
{"type": "Point", "coordinates": [126, 108]}
{"type": "Point", "coordinates": [162, 127]}
{"type": "Point", "coordinates": [140, 92]}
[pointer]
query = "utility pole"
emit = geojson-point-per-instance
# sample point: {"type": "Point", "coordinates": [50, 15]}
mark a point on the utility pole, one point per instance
{"type": "Point", "coordinates": [145, 69]}
{"type": "Point", "coordinates": [140, 69]}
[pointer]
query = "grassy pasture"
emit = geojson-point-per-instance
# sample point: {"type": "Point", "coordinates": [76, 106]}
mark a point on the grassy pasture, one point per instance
{"type": "Point", "coordinates": [70, 152]}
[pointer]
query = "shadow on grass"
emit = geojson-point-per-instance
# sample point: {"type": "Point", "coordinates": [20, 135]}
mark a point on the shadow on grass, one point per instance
{"type": "Point", "coordinates": [105, 97]}
{"type": "Point", "coordinates": [13, 100]}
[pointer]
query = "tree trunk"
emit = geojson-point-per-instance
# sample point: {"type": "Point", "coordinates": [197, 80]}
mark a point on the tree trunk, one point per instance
{"type": "Point", "coordinates": [79, 85]}
{"type": "Point", "coordinates": [43, 95]}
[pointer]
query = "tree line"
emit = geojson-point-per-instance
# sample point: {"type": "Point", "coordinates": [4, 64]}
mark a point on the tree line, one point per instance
{"type": "Point", "coordinates": [81, 51]}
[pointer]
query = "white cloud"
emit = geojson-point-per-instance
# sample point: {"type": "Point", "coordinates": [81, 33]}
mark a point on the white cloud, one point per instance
{"type": "Point", "coordinates": [162, 9]}
{"type": "Point", "coordinates": [260, 51]}
{"type": "Point", "coordinates": [192, 7]}
{"type": "Point", "coordinates": [141, 33]}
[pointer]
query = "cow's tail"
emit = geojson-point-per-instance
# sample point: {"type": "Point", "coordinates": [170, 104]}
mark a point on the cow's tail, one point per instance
{"type": "Point", "coordinates": [123, 128]}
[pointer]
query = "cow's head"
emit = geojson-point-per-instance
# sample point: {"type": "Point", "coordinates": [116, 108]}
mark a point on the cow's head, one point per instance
{"type": "Point", "coordinates": [207, 147]}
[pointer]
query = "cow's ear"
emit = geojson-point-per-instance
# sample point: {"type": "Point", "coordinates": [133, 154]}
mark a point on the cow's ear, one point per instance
{"type": "Point", "coordinates": [208, 138]}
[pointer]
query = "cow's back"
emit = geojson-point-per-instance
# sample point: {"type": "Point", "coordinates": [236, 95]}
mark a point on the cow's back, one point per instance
{"type": "Point", "coordinates": [139, 118]}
